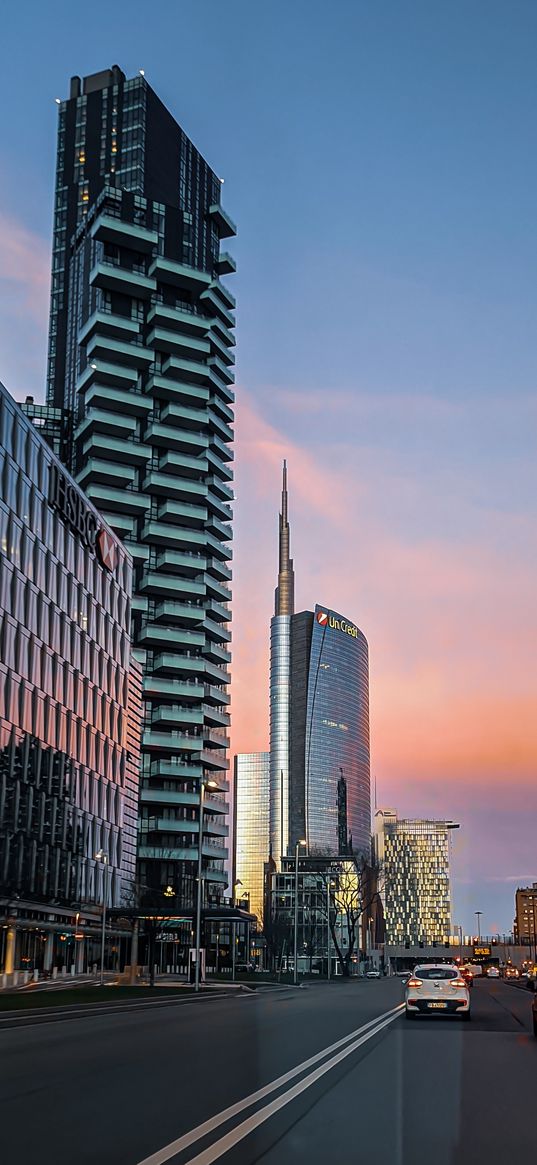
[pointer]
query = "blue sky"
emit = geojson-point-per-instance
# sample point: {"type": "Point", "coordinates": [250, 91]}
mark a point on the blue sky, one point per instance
{"type": "Point", "coordinates": [380, 160]}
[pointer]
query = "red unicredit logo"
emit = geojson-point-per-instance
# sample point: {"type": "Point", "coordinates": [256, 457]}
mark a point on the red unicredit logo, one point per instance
{"type": "Point", "coordinates": [322, 618]}
{"type": "Point", "coordinates": [107, 549]}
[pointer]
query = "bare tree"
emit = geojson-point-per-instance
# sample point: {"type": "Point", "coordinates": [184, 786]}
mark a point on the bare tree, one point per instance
{"type": "Point", "coordinates": [351, 887]}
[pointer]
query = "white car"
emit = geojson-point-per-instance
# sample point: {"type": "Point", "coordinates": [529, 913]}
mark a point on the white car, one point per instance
{"type": "Point", "coordinates": [437, 989]}
{"type": "Point", "coordinates": [493, 973]}
{"type": "Point", "coordinates": [372, 974]}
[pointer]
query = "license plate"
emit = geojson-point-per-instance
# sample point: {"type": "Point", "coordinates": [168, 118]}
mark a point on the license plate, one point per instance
{"type": "Point", "coordinates": [436, 1005]}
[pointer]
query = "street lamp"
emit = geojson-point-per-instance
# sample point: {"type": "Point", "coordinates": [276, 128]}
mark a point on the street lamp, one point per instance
{"type": "Point", "coordinates": [295, 971]}
{"type": "Point", "coordinates": [329, 886]}
{"type": "Point", "coordinates": [100, 856]}
{"type": "Point", "coordinates": [203, 786]}
{"type": "Point", "coordinates": [478, 914]}
{"type": "Point", "coordinates": [234, 931]}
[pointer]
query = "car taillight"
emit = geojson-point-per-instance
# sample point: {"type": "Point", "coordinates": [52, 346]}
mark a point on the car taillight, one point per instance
{"type": "Point", "coordinates": [414, 982]}
{"type": "Point", "coordinates": [457, 983]}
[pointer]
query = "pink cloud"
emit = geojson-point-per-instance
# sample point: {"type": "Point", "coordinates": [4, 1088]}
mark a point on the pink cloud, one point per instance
{"type": "Point", "coordinates": [450, 620]}
{"type": "Point", "coordinates": [24, 290]}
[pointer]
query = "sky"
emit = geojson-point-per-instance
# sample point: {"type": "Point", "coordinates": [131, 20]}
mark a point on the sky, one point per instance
{"type": "Point", "coordinates": [380, 161]}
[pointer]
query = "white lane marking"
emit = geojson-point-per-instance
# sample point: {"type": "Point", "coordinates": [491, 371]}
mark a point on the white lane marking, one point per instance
{"type": "Point", "coordinates": [208, 1126]}
{"type": "Point", "coordinates": [258, 1118]}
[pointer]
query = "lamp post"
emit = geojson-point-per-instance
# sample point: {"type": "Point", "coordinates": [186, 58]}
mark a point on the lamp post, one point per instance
{"type": "Point", "coordinates": [203, 785]}
{"type": "Point", "coordinates": [329, 886]}
{"type": "Point", "coordinates": [234, 931]}
{"type": "Point", "coordinates": [102, 857]}
{"type": "Point", "coordinates": [295, 970]}
{"type": "Point", "coordinates": [478, 914]}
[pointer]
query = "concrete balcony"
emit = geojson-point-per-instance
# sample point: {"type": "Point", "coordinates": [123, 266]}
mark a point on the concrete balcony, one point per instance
{"type": "Point", "coordinates": [222, 511]}
{"type": "Point", "coordinates": [131, 452]}
{"type": "Point", "coordinates": [218, 547]}
{"type": "Point", "coordinates": [111, 277]}
{"type": "Point", "coordinates": [172, 486]}
{"type": "Point", "coordinates": [181, 464]}
{"type": "Point", "coordinates": [216, 485]}
{"type": "Point", "coordinates": [154, 636]}
{"type": "Point", "coordinates": [178, 274]}
{"type": "Point", "coordinates": [114, 375]}
{"type": "Point", "coordinates": [171, 742]}
{"type": "Point", "coordinates": [217, 654]}
{"type": "Point", "coordinates": [109, 324]}
{"type": "Point", "coordinates": [172, 771]}
{"type": "Point", "coordinates": [167, 388]}
{"type": "Point", "coordinates": [118, 400]}
{"type": "Point", "coordinates": [176, 664]}
{"type": "Point", "coordinates": [218, 467]}
{"type": "Point", "coordinates": [213, 305]}
{"type": "Point", "coordinates": [126, 501]}
{"type": "Point", "coordinates": [216, 631]}
{"type": "Point", "coordinates": [219, 719]}
{"type": "Point", "coordinates": [182, 415]}
{"type": "Point", "coordinates": [175, 716]}
{"type": "Point", "coordinates": [218, 611]}
{"type": "Point", "coordinates": [216, 761]}
{"type": "Point", "coordinates": [102, 347]}
{"type": "Point", "coordinates": [192, 371]}
{"type": "Point", "coordinates": [106, 472]}
{"type": "Point", "coordinates": [181, 562]}
{"type": "Point", "coordinates": [220, 348]}
{"type": "Point", "coordinates": [180, 614]}
{"type": "Point", "coordinates": [177, 343]}
{"type": "Point", "coordinates": [163, 313]}
{"type": "Point", "coordinates": [163, 534]}
{"type": "Point", "coordinates": [107, 228]}
{"type": "Point", "coordinates": [225, 226]}
{"type": "Point", "coordinates": [173, 689]}
{"type": "Point", "coordinates": [183, 513]}
{"type": "Point", "coordinates": [157, 584]}
{"type": "Point", "coordinates": [220, 530]}
{"type": "Point", "coordinates": [106, 422]}
{"type": "Point", "coordinates": [218, 674]}
{"type": "Point", "coordinates": [222, 451]}
{"type": "Point", "coordinates": [214, 695]}
{"type": "Point", "coordinates": [216, 589]}
{"type": "Point", "coordinates": [218, 569]}
{"type": "Point", "coordinates": [226, 264]}
{"type": "Point", "coordinates": [223, 331]}
{"type": "Point", "coordinates": [223, 371]}
{"type": "Point", "coordinates": [177, 439]}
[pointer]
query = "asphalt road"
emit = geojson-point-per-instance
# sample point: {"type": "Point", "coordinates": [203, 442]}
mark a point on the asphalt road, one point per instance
{"type": "Point", "coordinates": [152, 1086]}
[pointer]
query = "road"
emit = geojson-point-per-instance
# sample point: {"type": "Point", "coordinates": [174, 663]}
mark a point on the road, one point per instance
{"type": "Point", "coordinates": [124, 1089]}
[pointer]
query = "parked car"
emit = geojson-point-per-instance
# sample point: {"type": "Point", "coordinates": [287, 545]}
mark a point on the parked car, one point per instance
{"type": "Point", "coordinates": [373, 974]}
{"type": "Point", "coordinates": [534, 1014]}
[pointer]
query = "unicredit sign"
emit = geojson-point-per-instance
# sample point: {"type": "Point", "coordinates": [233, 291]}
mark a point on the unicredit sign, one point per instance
{"type": "Point", "coordinates": [65, 497]}
{"type": "Point", "coordinates": [336, 623]}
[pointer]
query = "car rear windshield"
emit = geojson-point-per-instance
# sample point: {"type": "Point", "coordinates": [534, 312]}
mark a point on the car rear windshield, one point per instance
{"type": "Point", "coordinates": [435, 973]}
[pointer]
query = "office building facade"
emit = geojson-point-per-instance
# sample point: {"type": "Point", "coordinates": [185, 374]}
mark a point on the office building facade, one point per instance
{"type": "Point", "coordinates": [414, 859]}
{"type": "Point", "coordinates": [319, 724]}
{"type": "Point", "coordinates": [526, 915]}
{"type": "Point", "coordinates": [141, 363]}
{"type": "Point", "coordinates": [69, 719]}
{"type": "Point", "coordinates": [252, 818]}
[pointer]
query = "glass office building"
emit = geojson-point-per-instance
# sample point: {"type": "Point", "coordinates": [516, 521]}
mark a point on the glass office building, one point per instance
{"type": "Point", "coordinates": [141, 363]}
{"type": "Point", "coordinates": [414, 859]}
{"type": "Point", "coordinates": [320, 785]}
{"type": "Point", "coordinates": [69, 715]}
{"type": "Point", "coordinates": [252, 803]}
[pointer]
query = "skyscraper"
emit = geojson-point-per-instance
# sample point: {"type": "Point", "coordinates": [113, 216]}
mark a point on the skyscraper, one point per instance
{"type": "Point", "coordinates": [141, 362]}
{"type": "Point", "coordinates": [252, 800]}
{"type": "Point", "coordinates": [319, 723]}
{"type": "Point", "coordinates": [413, 857]}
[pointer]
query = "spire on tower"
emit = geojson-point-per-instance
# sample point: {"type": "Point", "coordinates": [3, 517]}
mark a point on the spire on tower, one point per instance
{"type": "Point", "coordinates": [285, 590]}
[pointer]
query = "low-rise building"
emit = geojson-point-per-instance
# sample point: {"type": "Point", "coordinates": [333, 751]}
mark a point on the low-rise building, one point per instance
{"type": "Point", "coordinates": [69, 709]}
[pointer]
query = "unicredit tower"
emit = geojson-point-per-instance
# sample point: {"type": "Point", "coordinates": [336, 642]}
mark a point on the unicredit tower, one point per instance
{"type": "Point", "coordinates": [319, 724]}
